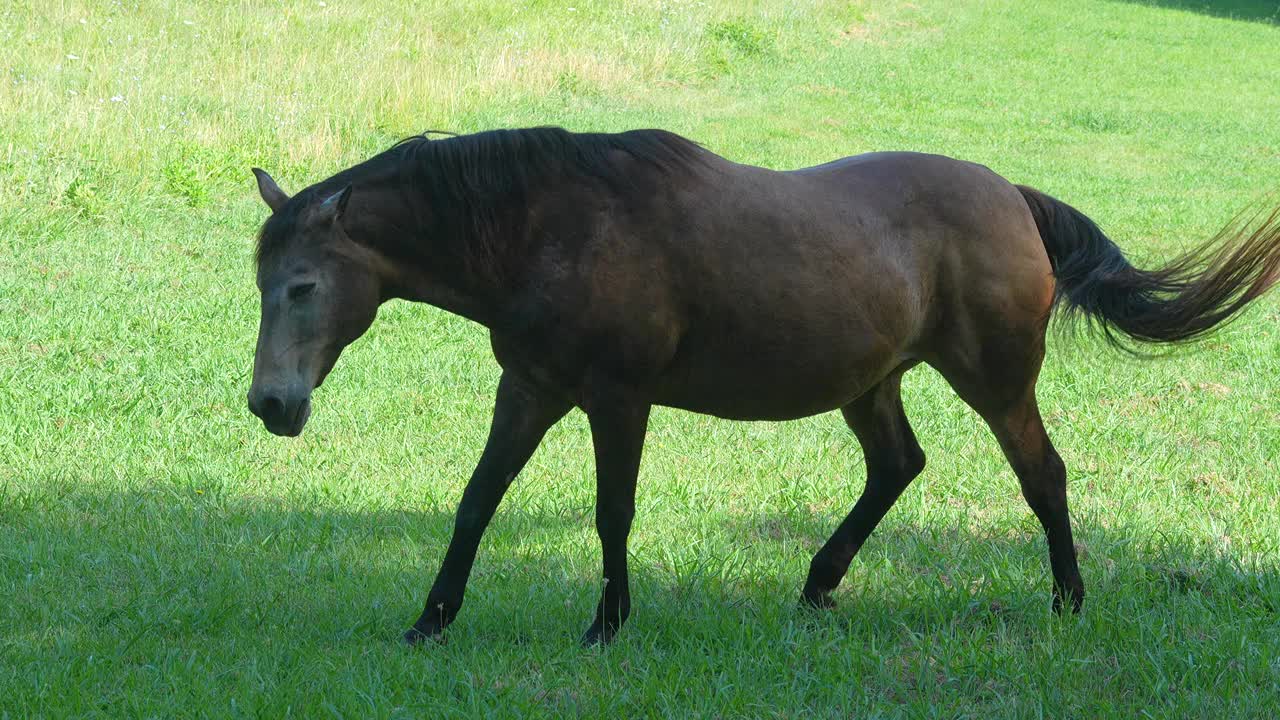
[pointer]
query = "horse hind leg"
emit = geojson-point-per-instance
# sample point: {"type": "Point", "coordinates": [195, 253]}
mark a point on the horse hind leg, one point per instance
{"type": "Point", "coordinates": [1043, 478]}
{"type": "Point", "coordinates": [1001, 389]}
{"type": "Point", "coordinates": [893, 458]}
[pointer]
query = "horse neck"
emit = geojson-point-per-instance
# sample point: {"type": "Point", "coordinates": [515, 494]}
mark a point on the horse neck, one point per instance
{"type": "Point", "coordinates": [436, 258]}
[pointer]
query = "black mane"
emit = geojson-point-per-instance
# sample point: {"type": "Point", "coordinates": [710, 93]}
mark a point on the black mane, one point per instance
{"type": "Point", "coordinates": [487, 174]}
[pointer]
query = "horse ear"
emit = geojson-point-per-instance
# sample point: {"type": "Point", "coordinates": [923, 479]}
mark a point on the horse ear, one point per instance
{"type": "Point", "coordinates": [336, 204]}
{"type": "Point", "coordinates": [272, 195]}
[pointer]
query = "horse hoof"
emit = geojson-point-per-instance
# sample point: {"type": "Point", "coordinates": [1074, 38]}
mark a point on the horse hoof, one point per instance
{"type": "Point", "coordinates": [818, 601]}
{"type": "Point", "coordinates": [413, 637]}
{"type": "Point", "coordinates": [1074, 604]}
{"type": "Point", "coordinates": [598, 636]}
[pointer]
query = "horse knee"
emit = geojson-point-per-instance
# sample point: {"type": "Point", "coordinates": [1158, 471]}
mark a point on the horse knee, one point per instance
{"type": "Point", "coordinates": [901, 465]}
{"type": "Point", "coordinates": [913, 460]}
{"type": "Point", "coordinates": [1055, 471]}
{"type": "Point", "coordinates": [614, 520]}
{"type": "Point", "coordinates": [1045, 486]}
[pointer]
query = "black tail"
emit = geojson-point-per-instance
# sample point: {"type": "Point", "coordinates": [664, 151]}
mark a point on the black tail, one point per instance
{"type": "Point", "coordinates": [1181, 301]}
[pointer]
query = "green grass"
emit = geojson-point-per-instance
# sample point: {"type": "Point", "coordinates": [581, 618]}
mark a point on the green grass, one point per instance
{"type": "Point", "coordinates": [161, 555]}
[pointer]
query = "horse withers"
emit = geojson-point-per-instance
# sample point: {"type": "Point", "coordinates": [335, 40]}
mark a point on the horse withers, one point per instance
{"type": "Point", "coordinates": [616, 272]}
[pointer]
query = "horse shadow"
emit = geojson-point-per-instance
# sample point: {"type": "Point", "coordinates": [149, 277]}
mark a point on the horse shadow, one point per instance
{"type": "Point", "coordinates": [1265, 11]}
{"type": "Point", "coordinates": [185, 567]}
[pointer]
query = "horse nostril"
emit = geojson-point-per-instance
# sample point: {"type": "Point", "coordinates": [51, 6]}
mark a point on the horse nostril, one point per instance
{"type": "Point", "coordinates": [267, 407]}
{"type": "Point", "coordinates": [272, 408]}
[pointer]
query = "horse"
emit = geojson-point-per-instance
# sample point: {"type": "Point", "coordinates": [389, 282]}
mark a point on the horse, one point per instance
{"type": "Point", "coordinates": [615, 272]}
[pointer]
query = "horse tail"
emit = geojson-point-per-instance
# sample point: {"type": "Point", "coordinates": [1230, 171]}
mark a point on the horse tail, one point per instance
{"type": "Point", "coordinates": [1183, 300]}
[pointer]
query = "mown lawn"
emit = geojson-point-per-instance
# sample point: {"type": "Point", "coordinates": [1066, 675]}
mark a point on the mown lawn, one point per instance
{"type": "Point", "coordinates": [161, 555]}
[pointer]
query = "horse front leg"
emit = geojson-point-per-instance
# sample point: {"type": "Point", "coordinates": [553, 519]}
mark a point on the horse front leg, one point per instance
{"type": "Point", "coordinates": [617, 432]}
{"type": "Point", "coordinates": [521, 416]}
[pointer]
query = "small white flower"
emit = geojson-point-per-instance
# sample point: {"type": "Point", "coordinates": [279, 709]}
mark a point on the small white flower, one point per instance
{"type": "Point", "coordinates": [72, 56]}
{"type": "Point", "coordinates": [187, 22]}
{"type": "Point", "coordinates": [117, 98]}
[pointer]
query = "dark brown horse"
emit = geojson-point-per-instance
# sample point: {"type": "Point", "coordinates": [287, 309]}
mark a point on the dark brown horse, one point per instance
{"type": "Point", "coordinates": [618, 272]}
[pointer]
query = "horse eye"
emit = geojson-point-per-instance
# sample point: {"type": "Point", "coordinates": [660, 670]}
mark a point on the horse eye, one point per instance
{"type": "Point", "coordinates": [301, 290]}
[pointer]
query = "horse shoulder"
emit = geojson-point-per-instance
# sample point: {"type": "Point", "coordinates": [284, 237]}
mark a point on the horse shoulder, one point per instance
{"type": "Point", "coordinates": [603, 311]}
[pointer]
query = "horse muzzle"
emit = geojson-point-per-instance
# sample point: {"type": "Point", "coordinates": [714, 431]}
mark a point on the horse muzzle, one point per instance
{"type": "Point", "coordinates": [282, 413]}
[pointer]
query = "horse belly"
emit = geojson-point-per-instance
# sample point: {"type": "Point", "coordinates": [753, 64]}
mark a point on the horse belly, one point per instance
{"type": "Point", "coordinates": [791, 377]}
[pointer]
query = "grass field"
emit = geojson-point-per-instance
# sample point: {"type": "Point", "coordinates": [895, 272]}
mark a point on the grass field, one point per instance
{"type": "Point", "coordinates": [161, 555]}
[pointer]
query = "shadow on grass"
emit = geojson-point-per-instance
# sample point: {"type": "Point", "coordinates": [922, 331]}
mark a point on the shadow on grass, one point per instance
{"type": "Point", "coordinates": [1265, 11]}
{"type": "Point", "coordinates": [108, 569]}
{"type": "Point", "coordinates": [956, 571]}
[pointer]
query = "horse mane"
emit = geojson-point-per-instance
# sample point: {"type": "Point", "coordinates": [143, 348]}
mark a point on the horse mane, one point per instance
{"type": "Point", "coordinates": [485, 177]}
